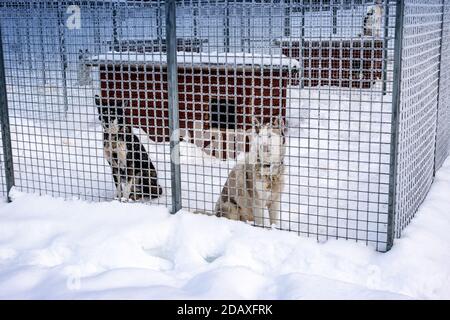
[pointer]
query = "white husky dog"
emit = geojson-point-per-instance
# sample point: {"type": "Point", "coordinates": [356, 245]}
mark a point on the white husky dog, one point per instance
{"type": "Point", "coordinates": [256, 182]}
{"type": "Point", "coordinates": [373, 20]}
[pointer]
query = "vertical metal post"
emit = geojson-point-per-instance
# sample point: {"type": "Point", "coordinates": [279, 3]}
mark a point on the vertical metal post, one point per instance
{"type": "Point", "coordinates": [42, 42]}
{"type": "Point", "coordinates": [226, 28]}
{"type": "Point", "coordinates": [386, 45]}
{"type": "Point", "coordinates": [97, 36]}
{"type": "Point", "coordinates": [249, 29]}
{"type": "Point", "coordinates": [172, 87]}
{"type": "Point", "coordinates": [301, 45]}
{"type": "Point", "coordinates": [335, 11]}
{"type": "Point", "coordinates": [6, 132]}
{"type": "Point", "coordinates": [159, 24]}
{"type": "Point", "coordinates": [18, 37]}
{"type": "Point", "coordinates": [195, 18]}
{"type": "Point", "coordinates": [303, 20]}
{"type": "Point", "coordinates": [287, 18]}
{"type": "Point", "coordinates": [63, 56]}
{"type": "Point", "coordinates": [114, 22]}
{"type": "Point", "coordinates": [242, 27]}
{"type": "Point", "coordinates": [439, 88]}
{"type": "Point", "coordinates": [28, 40]}
{"type": "Point", "coordinates": [396, 100]}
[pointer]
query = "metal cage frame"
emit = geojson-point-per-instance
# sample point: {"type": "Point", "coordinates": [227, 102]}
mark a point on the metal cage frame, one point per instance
{"type": "Point", "coordinates": [367, 110]}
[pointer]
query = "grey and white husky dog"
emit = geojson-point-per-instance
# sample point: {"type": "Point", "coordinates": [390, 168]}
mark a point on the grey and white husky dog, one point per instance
{"type": "Point", "coordinates": [256, 182]}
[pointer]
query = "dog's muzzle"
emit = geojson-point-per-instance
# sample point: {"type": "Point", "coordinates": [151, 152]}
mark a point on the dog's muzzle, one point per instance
{"type": "Point", "coordinates": [272, 167]}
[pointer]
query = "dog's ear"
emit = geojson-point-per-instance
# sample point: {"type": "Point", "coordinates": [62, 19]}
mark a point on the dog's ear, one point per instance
{"type": "Point", "coordinates": [278, 123]}
{"type": "Point", "coordinates": [97, 100]}
{"type": "Point", "coordinates": [275, 123]}
{"type": "Point", "coordinates": [100, 111]}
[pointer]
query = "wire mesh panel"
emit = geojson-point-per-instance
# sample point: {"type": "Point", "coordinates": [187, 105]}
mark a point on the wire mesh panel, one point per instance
{"type": "Point", "coordinates": [443, 126]}
{"type": "Point", "coordinates": [4, 129]}
{"type": "Point", "coordinates": [286, 114]}
{"type": "Point", "coordinates": [418, 106]}
{"type": "Point", "coordinates": [78, 120]}
{"type": "Point", "coordinates": [284, 108]}
{"type": "Point", "coordinates": [2, 172]}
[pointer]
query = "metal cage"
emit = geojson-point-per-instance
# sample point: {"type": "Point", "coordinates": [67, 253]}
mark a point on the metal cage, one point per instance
{"type": "Point", "coordinates": [106, 100]}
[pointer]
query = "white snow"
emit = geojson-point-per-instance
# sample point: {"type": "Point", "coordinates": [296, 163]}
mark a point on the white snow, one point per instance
{"type": "Point", "coordinates": [71, 249]}
{"type": "Point", "coordinates": [193, 58]}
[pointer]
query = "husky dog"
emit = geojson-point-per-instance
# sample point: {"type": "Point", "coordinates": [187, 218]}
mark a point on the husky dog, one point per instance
{"type": "Point", "coordinates": [133, 172]}
{"type": "Point", "coordinates": [372, 24]}
{"type": "Point", "coordinates": [84, 71]}
{"type": "Point", "coordinates": [256, 182]}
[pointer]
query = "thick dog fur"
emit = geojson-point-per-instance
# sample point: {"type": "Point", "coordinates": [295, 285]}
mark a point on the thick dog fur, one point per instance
{"type": "Point", "coordinates": [256, 183]}
{"type": "Point", "coordinates": [372, 24]}
{"type": "Point", "coordinates": [134, 175]}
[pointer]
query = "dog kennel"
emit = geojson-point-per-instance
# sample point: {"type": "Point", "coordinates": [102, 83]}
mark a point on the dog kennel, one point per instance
{"type": "Point", "coordinates": [355, 62]}
{"type": "Point", "coordinates": [218, 94]}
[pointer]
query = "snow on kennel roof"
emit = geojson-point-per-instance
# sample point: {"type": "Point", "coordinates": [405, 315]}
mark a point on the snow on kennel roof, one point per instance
{"type": "Point", "coordinates": [296, 40]}
{"type": "Point", "coordinates": [234, 59]}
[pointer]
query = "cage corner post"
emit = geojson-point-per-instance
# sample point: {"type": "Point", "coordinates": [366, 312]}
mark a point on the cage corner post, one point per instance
{"type": "Point", "coordinates": [395, 121]}
{"type": "Point", "coordinates": [441, 45]}
{"type": "Point", "coordinates": [5, 126]}
{"type": "Point", "coordinates": [172, 88]}
{"type": "Point", "coordinates": [63, 55]}
{"type": "Point", "coordinates": [386, 4]}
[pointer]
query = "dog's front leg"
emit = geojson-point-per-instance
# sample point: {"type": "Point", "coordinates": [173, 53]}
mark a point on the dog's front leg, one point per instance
{"type": "Point", "coordinates": [118, 183]}
{"type": "Point", "coordinates": [127, 189]}
{"type": "Point", "coordinates": [118, 191]}
{"type": "Point", "coordinates": [258, 212]}
{"type": "Point", "coordinates": [274, 211]}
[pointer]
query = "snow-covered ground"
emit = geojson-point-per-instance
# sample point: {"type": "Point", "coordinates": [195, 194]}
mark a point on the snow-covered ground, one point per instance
{"type": "Point", "coordinates": [55, 248]}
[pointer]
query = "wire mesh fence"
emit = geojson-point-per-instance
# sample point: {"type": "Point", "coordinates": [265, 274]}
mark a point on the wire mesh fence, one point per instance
{"type": "Point", "coordinates": [3, 192]}
{"type": "Point", "coordinates": [56, 132]}
{"type": "Point", "coordinates": [418, 109]}
{"type": "Point", "coordinates": [318, 117]}
{"type": "Point", "coordinates": [443, 126]}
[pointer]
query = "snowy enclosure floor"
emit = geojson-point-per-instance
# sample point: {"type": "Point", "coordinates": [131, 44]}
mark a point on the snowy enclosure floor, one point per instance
{"type": "Point", "coordinates": [337, 158]}
{"type": "Point", "coordinates": [71, 249]}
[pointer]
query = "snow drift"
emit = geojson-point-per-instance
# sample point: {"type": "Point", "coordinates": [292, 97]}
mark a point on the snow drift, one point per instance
{"type": "Point", "coordinates": [54, 248]}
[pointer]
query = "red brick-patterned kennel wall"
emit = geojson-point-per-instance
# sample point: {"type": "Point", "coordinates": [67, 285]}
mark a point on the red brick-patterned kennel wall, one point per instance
{"type": "Point", "coordinates": [255, 92]}
{"type": "Point", "coordinates": [343, 63]}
